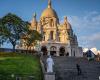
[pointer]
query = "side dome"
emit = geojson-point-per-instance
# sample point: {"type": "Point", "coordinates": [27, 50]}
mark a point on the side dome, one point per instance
{"type": "Point", "coordinates": [69, 26]}
{"type": "Point", "coordinates": [34, 21]}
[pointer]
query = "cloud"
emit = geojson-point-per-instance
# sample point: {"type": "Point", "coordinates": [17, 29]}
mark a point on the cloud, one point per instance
{"type": "Point", "coordinates": [90, 40]}
{"type": "Point", "coordinates": [85, 49]}
{"type": "Point", "coordinates": [94, 50]}
{"type": "Point", "coordinates": [93, 37]}
{"type": "Point", "coordinates": [90, 20]}
{"type": "Point", "coordinates": [87, 28]}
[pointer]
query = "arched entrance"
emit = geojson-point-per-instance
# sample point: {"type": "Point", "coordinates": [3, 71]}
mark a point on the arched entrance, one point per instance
{"type": "Point", "coordinates": [62, 51]}
{"type": "Point", "coordinates": [52, 50]}
{"type": "Point", "coordinates": [74, 53]}
{"type": "Point", "coordinates": [44, 50]}
{"type": "Point", "coordinates": [67, 54]}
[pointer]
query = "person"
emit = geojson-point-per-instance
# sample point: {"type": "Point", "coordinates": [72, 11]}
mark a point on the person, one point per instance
{"type": "Point", "coordinates": [50, 64]}
{"type": "Point", "coordinates": [41, 55]}
{"type": "Point", "coordinates": [79, 72]}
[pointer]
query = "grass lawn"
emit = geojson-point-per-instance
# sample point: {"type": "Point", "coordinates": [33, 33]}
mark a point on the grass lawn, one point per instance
{"type": "Point", "coordinates": [19, 65]}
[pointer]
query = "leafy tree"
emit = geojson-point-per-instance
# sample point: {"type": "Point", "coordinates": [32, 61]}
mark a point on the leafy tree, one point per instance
{"type": "Point", "coordinates": [2, 40]}
{"type": "Point", "coordinates": [31, 39]}
{"type": "Point", "coordinates": [12, 27]}
{"type": "Point", "coordinates": [0, 33]}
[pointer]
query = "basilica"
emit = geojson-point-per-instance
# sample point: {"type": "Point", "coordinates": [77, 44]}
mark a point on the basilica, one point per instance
{"type": "Point", "coordinates": [58, 38]}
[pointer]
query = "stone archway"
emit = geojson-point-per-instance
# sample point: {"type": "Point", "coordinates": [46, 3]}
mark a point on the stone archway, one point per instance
{"type": "Point", "coordinates": [67, 54]}
{"type": "Point", "coordinates": [44, 50]}
{"type": "Point", "coordinates": [62, 51]}
{"type": "Point", "coordinates": [53, 50]}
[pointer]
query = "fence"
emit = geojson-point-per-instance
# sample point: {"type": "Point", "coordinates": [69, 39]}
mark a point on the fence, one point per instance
{"type": "Point", "coordinates": [17, 77]}
{"type": "Point", "coordinates": [17, 50]}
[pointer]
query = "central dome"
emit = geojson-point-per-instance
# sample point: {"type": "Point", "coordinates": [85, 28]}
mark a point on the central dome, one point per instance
{"type": "Point", "coordinates": [49, 12]}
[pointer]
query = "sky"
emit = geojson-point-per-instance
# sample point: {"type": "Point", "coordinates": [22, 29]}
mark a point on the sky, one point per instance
{"type": "Point", "coordinates": [84, 16]}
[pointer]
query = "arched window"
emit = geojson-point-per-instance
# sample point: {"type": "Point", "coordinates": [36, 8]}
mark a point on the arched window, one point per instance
{"type": "Point", "coordinates": [44, 50]}
{"type": "Point", "coordinates": [44, 36]}
{"type": "Point", "coordinates": [59, 39]}
{"type": "Point", "coordinates": [53, 48]}
{"type": "Point", "coordinates": [74, 53]}
{"type": "Point", "coordinates": [68, 33]}
{"type": "Point", "coordinates": [51, 34]}
{"type": "Point", "coordinates": [62, 51]}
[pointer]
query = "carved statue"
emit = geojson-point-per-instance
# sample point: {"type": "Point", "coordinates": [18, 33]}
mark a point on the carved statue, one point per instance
{"type": "Point", "coordinates": [50, 64]}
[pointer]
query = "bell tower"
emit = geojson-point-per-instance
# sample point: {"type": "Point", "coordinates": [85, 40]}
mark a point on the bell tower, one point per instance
{"type": "Point", "coordinates": [34, 23]}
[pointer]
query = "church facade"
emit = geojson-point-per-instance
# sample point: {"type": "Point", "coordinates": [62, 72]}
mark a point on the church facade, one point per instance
{"type": "Point", "coordinates": [58, 39]}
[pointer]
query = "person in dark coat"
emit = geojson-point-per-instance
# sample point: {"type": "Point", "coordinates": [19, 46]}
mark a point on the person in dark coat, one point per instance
{"type": "Point", "coordinates": [79, 71]}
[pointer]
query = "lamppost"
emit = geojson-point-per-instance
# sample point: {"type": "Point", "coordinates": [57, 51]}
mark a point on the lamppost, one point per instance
{"type": "Point", "coordinates": [12, 75]}
{"type": "Point", "coordinates": [38, 47]}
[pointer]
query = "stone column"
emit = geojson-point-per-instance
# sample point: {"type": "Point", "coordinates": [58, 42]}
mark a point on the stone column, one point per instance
{"type": "Point", "coordinates": [48, 48]}
{"type": "Point", "coordinates": [48, 53]}
{"type": "Point", "coordinates": [57, 51]}
{"type": "Point", "coordinates": [70, 52]}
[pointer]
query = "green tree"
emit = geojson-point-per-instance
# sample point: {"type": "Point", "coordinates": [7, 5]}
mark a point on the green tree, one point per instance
{"type": "Point", "coordinates": [32, 37]}
{"type": "Point", "coordinates": [12, 27]}
{"type": "Point", "coordinates": [2, 39]}
{"type": "Point", "coordinates": [0, 33]}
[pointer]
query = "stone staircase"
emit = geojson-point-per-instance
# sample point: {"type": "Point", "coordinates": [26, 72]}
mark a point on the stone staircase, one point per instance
{"type": "Point", "coordinates": [65, 68]}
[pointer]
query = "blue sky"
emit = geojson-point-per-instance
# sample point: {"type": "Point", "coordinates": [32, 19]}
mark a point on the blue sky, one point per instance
{"type": "Point", "coordinates": [84, 16]}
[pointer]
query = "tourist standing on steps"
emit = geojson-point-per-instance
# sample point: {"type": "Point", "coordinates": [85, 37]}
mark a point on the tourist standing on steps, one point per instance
{"type": "Point", "coordinates": [79, 71]}
{"type": "Point", "coordinates": [50, 64]}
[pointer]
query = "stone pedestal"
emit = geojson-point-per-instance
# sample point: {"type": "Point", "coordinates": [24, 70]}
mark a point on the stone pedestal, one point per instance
{"type": "Point", "coordinates": [49, 76]}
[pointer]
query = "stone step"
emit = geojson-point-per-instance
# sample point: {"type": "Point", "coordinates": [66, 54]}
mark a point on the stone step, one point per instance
{"type": "Point", "coordinates": [66, 69]}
